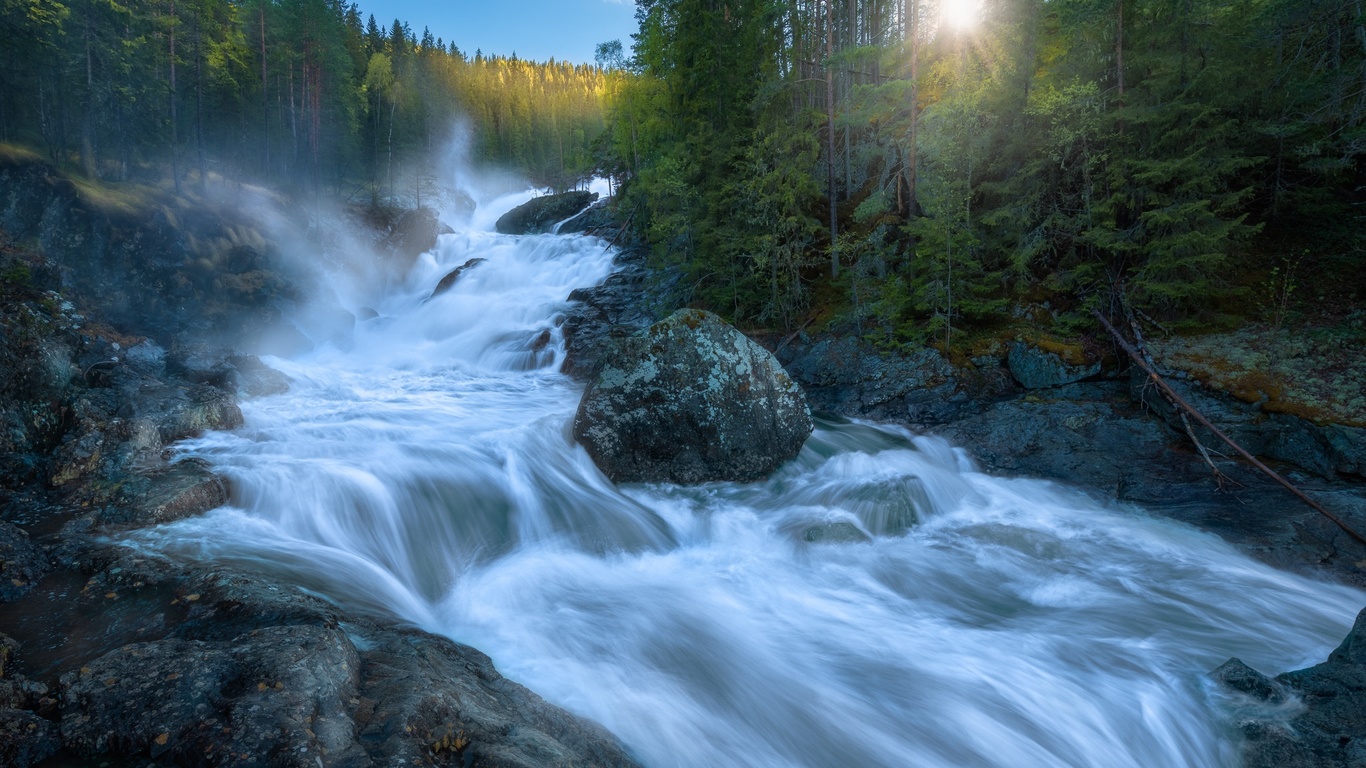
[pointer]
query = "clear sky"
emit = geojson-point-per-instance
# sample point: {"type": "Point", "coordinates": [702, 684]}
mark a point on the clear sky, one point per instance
{"type": "Point", "coordinates": [567, 30]}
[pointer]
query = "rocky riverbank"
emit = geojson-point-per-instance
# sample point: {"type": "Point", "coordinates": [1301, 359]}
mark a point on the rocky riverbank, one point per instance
{"type": "Point", "coordinates": [1078, 416]}
{"type": "Point", "coordinates": [114, 318]}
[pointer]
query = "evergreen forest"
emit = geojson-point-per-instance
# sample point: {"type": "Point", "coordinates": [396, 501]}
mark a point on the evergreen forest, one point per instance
{"type": "Point", "coordinates": [920, 166]}
{"type": "Point", "coordinates": [908, 168]}
{"type": "Point", "coordinates": [301, 94]}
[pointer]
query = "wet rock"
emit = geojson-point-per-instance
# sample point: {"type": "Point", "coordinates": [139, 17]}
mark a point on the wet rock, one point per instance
{"type": "Point", "coordinates": [284, 692]}
{"type": "Point", "coordinates": [690, 399]}
{"type": "Point", "coordinates": [256, 379]}
{"type": "Point", "coordinates": [26, 738]}
{"type": "Point", "coordinates": [147, 357]}
{"type": "Point", "coordinates": [238, 666]}
{"type": "Point", "coordinates": [184, 489]}
{"type": "Point", "coordinates": [191, 411]}
{"type": "Point", "coordinates": [834, 533]}
{"type": "Point", "coordinates": [1330, 730]}
{"type": "Point", "coordinates": [22, 564]}
{"type": "Point", "coordinates": [414, 234]}
{"type": "Point", "coordinates": [540, 214]}
{"type": "Point", "coordinates": [1037, 368]}
{"type": "Point", "coordinates": [1088, 435]}
{"type": "Point", "coordinates": [464, 712]}
{"type": "Point", "coordinates": [449, 280]}
{"type": "Point", "coordinates": [1234, 675]}
{"type": "Point", "coordinates": [8, 647]}
{"type": "Point", "coordinates": [847, 375]}
{"type": "Point", "coordinates": [622, 304]}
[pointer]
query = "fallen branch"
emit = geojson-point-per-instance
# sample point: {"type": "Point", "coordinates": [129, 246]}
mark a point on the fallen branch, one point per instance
{"type": "Point", "coordinates": [1177, 400]}
{"type": "Point", "coordinates": [622, 231]}
{"type": "Point", "coordinates": [793, 335]}
{"type": "Point", "coordinates": [1219, 477]}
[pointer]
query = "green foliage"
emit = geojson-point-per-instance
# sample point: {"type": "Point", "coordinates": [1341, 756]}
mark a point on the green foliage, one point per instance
{"type": "Point", "coordinates": [300, 91]}
{"type": "Point", "coordinates": [1070, 152]}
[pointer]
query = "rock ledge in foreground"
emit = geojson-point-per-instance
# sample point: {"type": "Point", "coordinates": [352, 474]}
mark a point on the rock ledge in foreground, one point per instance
{"type": "Point", "coordinates": [689, 400]}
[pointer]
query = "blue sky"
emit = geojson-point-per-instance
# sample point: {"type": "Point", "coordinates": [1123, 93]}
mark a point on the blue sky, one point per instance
{"type": "Point", "coordinates": [534, 29]}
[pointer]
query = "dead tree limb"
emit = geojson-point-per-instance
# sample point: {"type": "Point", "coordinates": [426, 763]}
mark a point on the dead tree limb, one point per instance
{"type": "Point", "coordinates": [1178, 401]}
{"type": "Point", "coordinates": [621, 231]}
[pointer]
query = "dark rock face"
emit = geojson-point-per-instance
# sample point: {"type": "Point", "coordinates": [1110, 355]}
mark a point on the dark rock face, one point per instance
{"type": "Point", "coordinates": [690, 400]}
{"type": "Point", "coordinates": [1331, 730]}
{"type": "Point", "coordinates": [605, 313]}
{"type": "Point", "coordinates": [846, 375]}
{"type": "Point", "coordinates": [1036, 368]}
{"type": "Point", "coordinates": [540, 214]}
{"type": "Point", "coordinates": [468, 714]}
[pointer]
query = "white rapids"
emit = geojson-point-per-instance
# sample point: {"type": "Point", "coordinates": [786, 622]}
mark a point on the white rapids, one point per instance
{"type": "Point", "coordinates": [427, 472]}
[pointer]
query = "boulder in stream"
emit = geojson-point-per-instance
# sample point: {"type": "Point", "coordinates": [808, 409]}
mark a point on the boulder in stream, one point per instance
{"type": "Point", "coordinates": [689, 400]}
{"type": "Point", "coordinates": [1328, 730]}
{"type": "Point", "coordinates": [539, 214]}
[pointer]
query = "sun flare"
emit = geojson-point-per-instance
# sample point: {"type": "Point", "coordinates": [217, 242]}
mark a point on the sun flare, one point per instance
{"type": "Point", "coordinates": [961, 15]}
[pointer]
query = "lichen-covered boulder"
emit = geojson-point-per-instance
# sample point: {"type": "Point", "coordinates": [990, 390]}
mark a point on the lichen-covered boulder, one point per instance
{"type": "Point", "coordinates": [688, 400]}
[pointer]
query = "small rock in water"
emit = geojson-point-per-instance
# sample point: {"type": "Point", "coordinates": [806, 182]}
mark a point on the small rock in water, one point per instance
{"type": "Point", "coordinates": [689, 400]}
{"type": "Point", "coordinates": [449, 280]}
{"type": "Point", "coordinates": [834, 533]}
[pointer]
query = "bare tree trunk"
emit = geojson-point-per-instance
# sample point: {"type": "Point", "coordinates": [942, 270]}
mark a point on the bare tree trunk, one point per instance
{"type": "Point", "coordinates": [88, 125]}
{"type": "Point", "coordinates": [175, 127]}
{"type": "Point", "coordinates": [913, 33]}
{"type": "Point", "coordinates": [830, 133]}
{"type": "Point", "coordinates": [199, 99]}
{"type": "Point", "coordinates": [265, 97]}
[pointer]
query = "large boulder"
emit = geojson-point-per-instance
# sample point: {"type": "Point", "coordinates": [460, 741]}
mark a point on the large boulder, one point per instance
{"type": "Point", "coordinates": [540, 214]}
{"type": "Point", "coordinates": [688, 400]}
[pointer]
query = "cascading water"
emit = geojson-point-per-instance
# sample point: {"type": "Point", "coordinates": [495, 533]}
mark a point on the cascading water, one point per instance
{"type": "Point", "coordinates": [427, 471]}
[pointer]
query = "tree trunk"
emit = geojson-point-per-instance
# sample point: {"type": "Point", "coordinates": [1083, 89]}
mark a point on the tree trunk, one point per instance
{"type": "Point", "coordinates": [199, 99]}
{"type": "Point", "coordinates": [88, 124]}
{"type": "Point", "coordinates": [175, 128]}
{"type": "Point", "coordinates": [265, 98]}
{"type": "Point", "coordinates": [913, 25]}
{"type": "Point", "coordinates": [830, 134]}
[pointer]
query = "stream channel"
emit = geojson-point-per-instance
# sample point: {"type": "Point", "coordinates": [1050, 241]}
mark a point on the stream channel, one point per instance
{"type": "Point", "coordinates": [426, 471]}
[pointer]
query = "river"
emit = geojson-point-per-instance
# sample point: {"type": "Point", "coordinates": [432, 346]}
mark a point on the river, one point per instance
{"type": "Point", "coordinates": [425, 470]}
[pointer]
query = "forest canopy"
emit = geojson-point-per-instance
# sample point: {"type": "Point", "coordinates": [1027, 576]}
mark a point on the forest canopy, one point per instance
{"type": "Point", "coordinates": [927, 165]}
{"type": "Point", "coordinates": [297, 92]}
{"type": "Point", "coordinates": [907, 167]}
